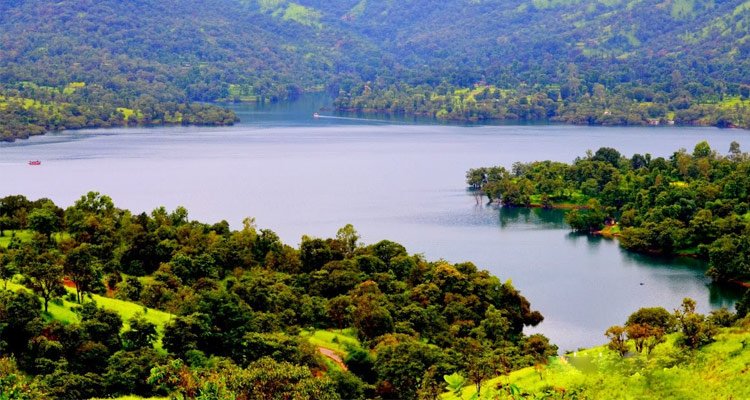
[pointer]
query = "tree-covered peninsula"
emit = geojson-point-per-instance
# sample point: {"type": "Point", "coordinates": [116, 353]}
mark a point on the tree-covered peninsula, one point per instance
{"type": "Point", "coordinates": [96, 301]}
{"type": "Point", "coordinates": [691, 203]}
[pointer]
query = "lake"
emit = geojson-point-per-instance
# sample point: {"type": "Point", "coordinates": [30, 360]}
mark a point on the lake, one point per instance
{"type": "Point", "coordinates": [400, 179]}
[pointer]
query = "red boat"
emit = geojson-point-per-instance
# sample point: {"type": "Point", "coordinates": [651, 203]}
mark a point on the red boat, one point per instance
{"type": "Point", "coordinates": [35, 162]}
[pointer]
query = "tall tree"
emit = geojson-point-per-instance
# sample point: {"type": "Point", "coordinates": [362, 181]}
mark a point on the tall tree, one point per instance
{"type": "Point", "coordinates": [43, 268]}
{"type": "Point", "coordinates": [83, 268]}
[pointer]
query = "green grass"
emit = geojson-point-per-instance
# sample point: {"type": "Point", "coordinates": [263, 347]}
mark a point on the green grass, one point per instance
{"type": "Point", "coordinates": [24, 235]}
{"type": "Point", "coordinates": [127, 310]}
{"type": "Point", "coordinates": [337, 340]}
{"type": "Point", "coordinates": [719, 370]}
{"type": "Point", "coordinates": [62, 310]}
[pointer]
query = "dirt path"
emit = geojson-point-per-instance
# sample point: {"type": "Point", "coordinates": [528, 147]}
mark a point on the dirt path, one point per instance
{"type": "Point", "coordinates": [335, 357]}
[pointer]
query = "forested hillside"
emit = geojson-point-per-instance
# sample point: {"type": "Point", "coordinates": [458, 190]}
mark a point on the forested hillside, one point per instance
{"type": "Point", "coordinates": [102, 63]}
{"type": "Point", "coordinates": [98, 302]}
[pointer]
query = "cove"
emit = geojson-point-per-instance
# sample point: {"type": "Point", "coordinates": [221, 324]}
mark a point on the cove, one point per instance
{"type": "Point", "coordinates": [395, 179]}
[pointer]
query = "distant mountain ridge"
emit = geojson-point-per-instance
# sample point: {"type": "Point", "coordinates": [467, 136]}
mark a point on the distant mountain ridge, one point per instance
{"type": "Point", "coordinates": [150, 51]}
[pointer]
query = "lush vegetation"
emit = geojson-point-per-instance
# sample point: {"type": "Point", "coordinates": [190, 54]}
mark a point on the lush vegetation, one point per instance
{"type": "Point", "coordinates": [73, 64]}
{"type": "Point", "coordinates": [653, 356]}
{"type": "Point", "coordinates": [98, 302]}
{"type": "Point", "coordinates": [585, 62]}
{"type": "Point", "coordinates": [693, 203]}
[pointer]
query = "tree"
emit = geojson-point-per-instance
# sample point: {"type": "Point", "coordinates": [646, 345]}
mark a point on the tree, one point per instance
{"type": "Point", "coordinates": [14, 384]}
{"type": "Point", "coordinates": [339, 310]}
{"type": "Point", "coordinates": [616, 335]}
{"type": "Point", "coordinates": [702, 150]}
{"type": "Point", "coordinates": [539, 350]}
{"type": "Point", "coordinates": [185, 333]}
{"type": "Point", "coordinates": [19, 316]}
{"type": "Point", "coordinates": [400, 367]}
{"type": "Point", "coordinates": [348, 238]}
{"type": "Point", "coordinates": [607, 155]}
{"type": "Point", "coordinates": [7, 267]}
{"type": "Point", "coordinates": [43, 269]}
{"type": "Point", "coordinates": [45, 219]}
{"type": "Point", "coordinates": [587, 219]}
{"type": "Point", "coordinates": [696, 330]}
{"type": "Point", "coordinates": [128, 371]}
{"type": "Point", "coordinates": [314, 254]}
{"type": "Point", "coordinates": [5, 224]}
{"type": "Point", "coordinates": [140, 334]}
{"type": "Point", "coordinates": [82, 267]}
{"type": "Point", "coordinates": [102, 326]}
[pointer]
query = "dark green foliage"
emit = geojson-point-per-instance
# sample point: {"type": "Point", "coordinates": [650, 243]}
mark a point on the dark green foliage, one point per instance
{"type": "Point", "coordinates": [277, 346]}
{"type": "Point", "coordinates": [241, 299]}
{"type": "Point", "coordinates": [70, 386]}
{"type": "Point", "coordinates": [362, 364]}
{"type": "Point", "coordinates": [692, 203]}
{"type": "Point", "coordinates": [19, 316]}
{"type": "Point", "coordinates": [743, 306]}
{"type": "Point", "coordinates": [42, 265]}
{"type": "Point", "coordinates": [140, 334]}
{"type": "Point", "coordinates": [127, 372]}
{"type": "Point", "coordinates": [400, 366]}
{"type": "Point", "coordinates": [589, 219]}
{"type": "Point", "coordinates": [348, 386]}
{"type": "Point", "coordinates": [653, 316]}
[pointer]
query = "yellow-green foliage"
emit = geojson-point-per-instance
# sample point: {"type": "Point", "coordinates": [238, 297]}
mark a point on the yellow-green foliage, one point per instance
{"type": "Point", "coordinates": [57, 310]}
{"type": "Point", "coordinates": [127, 310]}
{"type": "Point", "coordinates": [128, 112]}
{"type": "Point", "coordinates": [733, 102]}
{"type": "Point", "coordinates": [679, 184]}
{"type": "Point", "coordinates": [741, 8]}
{"type": "Point", "coordinates": [719, 370]}
{"type": "Point", "coordinates": [545, 4]}
{"type": "Point", "coordinates": [61, 310]}
{"type": "Point", "coordinates": [25, 236]}
{"type": "Point", "coordinates": [270, 5]}
{"type": "Point", "coordinates": [244, 92]}
{"type": "Point", "coordinates": [682, 9]}
{"type": "Point", "coordinates": [302, 15]}
{"type": "Point", "coordinates": [358, 9]}
{"type": "Point", "coordinates": [338, 340]}
{"type": "Point", "coordinates": [73, 86]}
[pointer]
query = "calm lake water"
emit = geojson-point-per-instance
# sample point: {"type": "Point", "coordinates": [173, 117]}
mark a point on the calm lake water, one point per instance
{"type": "Point", "coordinates": [400, 180]}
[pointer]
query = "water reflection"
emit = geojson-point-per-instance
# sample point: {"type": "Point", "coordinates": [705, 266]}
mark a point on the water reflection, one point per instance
{"type": "Point", "coordinates": [530, 217]}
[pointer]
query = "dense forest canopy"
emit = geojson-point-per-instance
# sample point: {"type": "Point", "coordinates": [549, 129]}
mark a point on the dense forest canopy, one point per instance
{"type": "Point", "coordinates": [691, 203]}
{"type": "Point", "coordinates": [96, 301]}
{"type": "Point", "coordinates": [72, 64]}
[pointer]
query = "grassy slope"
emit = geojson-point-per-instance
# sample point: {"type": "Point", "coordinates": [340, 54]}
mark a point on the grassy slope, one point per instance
{"type": "Point", "coordinates": [62, 311]}
{"type": "Point", "coordinates": [23, 235]}
{"type": "Point", "coordinates": [720, 370]}
{"type": "Point", "coordinates": [338, 340]}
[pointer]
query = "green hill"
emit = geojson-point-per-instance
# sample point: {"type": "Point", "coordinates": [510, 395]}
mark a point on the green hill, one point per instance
{"type": "Point", "coordinates": [716, 371]}
{"type": "Point", "coordinates": [73, 64]}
